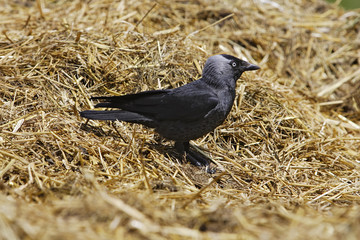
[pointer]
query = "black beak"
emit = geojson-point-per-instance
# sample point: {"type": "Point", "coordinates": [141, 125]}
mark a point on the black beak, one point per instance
{"type": "Point", "coordinates": [251, 67]}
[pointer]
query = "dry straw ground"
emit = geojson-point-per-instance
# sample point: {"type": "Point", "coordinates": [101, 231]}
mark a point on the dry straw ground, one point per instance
{"type": "Point", "coordinates": [287, 156]}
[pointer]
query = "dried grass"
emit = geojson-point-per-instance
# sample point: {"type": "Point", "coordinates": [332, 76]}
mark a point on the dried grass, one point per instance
{"type": "Point", "coordinates": [287, 155]}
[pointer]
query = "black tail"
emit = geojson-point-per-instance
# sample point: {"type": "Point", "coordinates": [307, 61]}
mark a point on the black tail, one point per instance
{"type": "Point", "coordinates": [125, 101]}
{"type": "Point", "coordinates": [117, 115]}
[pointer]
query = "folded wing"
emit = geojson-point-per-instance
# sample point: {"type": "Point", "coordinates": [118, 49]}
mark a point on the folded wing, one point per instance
{"type": "Point", "coordinates": [184, 103]}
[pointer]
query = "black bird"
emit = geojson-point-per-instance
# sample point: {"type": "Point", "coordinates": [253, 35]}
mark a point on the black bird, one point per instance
{"type": "Point", "coordinates": [184, 113]}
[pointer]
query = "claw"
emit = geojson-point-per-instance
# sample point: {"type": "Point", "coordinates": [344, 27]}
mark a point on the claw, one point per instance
{"type": "Point", "coordinates": [194, 157]}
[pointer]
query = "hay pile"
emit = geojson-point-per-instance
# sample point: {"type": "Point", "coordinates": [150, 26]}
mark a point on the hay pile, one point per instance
{"type": "Point", "coordinates": [287, 156]}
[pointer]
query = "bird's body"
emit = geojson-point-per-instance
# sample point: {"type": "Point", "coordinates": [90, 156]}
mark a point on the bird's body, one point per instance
{"type": "Point", "coordinates": [184, 113]}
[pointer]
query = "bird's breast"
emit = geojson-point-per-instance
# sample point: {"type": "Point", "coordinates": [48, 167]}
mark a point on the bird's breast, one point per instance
{"type": "Point", "coordinates": [226, 101]}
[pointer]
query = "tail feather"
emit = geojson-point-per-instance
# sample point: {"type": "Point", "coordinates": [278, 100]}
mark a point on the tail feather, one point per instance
{"type": "Point", "coordinates": [117, 115]}
{"type": "Point", "coordinates": [132, 101]}
{"type": "Point", "coordinates": [107, 105]}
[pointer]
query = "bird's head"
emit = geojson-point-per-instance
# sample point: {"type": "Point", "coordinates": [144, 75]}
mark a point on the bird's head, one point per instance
{"type": "Point", "coordinates": [225, 67]}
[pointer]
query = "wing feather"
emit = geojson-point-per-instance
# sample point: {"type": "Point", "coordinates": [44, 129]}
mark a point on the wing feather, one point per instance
{"type": "Point", "coordinates": [187, 103]}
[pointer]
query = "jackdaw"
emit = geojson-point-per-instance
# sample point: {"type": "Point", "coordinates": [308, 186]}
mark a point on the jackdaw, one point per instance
{"type": "Point", "coordinates": [184, 113]}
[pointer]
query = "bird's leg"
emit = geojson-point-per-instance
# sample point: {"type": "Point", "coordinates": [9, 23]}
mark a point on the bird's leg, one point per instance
{"type": "Point", "coordinates": [180, 148]}
{"type": "Point", "coordinates": [192, 156]}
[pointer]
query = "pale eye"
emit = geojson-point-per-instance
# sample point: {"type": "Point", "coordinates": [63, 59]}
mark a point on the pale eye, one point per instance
{"type": "Point", "coordinates": [234, 64]}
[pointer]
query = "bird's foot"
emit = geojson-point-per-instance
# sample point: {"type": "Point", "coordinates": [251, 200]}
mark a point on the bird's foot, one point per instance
{"type": "Point", "coordinates": [199, 160]}
{"type": "Point", "coordinates": [193, 156]}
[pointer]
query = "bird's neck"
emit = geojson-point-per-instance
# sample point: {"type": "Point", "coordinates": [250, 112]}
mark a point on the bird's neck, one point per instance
{"type": "Point", "coordinates": [220, 82]}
